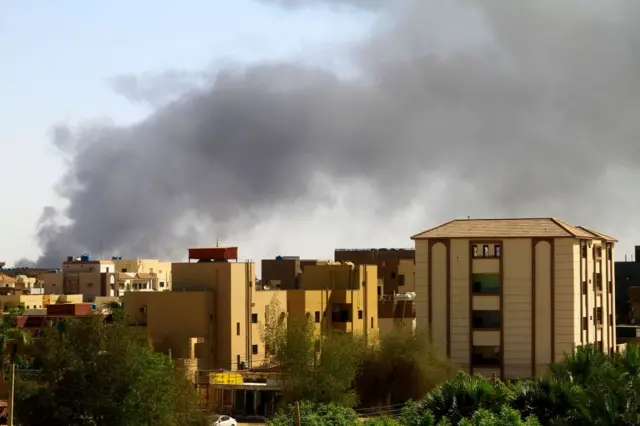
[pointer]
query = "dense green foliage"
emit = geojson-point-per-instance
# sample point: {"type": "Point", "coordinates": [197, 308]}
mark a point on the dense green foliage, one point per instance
{"type": "Point", "coordinates": [92, 373]}
{"type": "Point", "coordinates": [343, 369]}
{"type": "Point", "coordinates": [586, 388]}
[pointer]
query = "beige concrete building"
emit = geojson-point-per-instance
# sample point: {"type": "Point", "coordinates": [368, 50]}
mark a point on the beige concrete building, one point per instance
{"type": "Point", "coordinates": [395, 266]}
{"type": "Point", "coordinates": [511, 296]}
{"type": "Point", "coordinates": [160, 269]}
{"type": "Point", "coordinates": [338, 295]}
{"type": "Point", "coordinates": [213, 314]}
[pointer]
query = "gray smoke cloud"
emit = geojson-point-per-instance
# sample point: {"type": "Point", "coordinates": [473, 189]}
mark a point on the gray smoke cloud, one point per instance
{"type": "Point", "coordinates": [510, 108]}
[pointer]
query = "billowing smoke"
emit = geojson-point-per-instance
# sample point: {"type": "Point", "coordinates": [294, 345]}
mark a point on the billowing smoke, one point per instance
{"type": "Point", "coordinates": [508, 107]}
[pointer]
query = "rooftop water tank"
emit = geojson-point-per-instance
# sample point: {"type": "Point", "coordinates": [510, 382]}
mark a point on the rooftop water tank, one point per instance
{"type": "Point", "coordinates": [84, 258]}
{"type": "Point", "coordinates": [279, 257]}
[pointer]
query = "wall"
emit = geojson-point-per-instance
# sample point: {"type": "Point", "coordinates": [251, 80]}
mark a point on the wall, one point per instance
{"type": "Point", "coordinates": [230, 283]}
{"type": "Point", "coordinates": [260, 301]}
{"type": "Point", "coordinates": [52, 282]}
{"type": "Point", "coordinates": [172, 319]}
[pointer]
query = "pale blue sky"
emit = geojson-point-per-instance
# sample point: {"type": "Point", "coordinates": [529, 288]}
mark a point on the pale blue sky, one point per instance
{"type": "Point", "coordinates": [56, 56]}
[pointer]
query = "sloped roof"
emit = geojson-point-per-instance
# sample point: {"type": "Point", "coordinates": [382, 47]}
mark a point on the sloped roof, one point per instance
{"type": "Point", "coordinates": [7, 279]}
{"type": "Point", "coordinates": [599, 235]}
{"type": "Point", "coordinates": [507, 228]}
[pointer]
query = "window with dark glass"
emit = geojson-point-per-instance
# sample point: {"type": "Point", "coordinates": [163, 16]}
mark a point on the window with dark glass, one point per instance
{"type": "Point", "coordinates": [254, 349]}
{"type": "Point", "coordinates": [496, 250]}
{"type": "Point", "coordinates": [485, 355]}
{"type": "Point", "coordinates": [254, 318]}
{"type": "Point", "coordinates": [486, 283]}
{"type": "Point", "coordinates": [584, 287]}
{"type": "Point", "coordinates": [598, 283]}
{"type": "Point", "coordinates": [486, 320]}
{"type": "Point", "coordinates": [584, 323]}
{"type": "Point", "coordinates": [317, 316]}
{"type": "Point", "coordinates": [583, 250]}
{"type": "Point", "coordinates": [598, 316]}
{"type": "Point", "coordinates": [340, 313]}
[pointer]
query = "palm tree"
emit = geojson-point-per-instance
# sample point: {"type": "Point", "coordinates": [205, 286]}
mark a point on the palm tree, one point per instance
{"type": "Point", "coordinates": [10, 333]}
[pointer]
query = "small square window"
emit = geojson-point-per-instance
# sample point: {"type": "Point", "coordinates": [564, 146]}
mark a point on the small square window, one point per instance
{"type": "Point", "coordinates": [254, 318]}
{"type": "Point", "coordinates": [254, 349]}
{"type": "Point", "coordinates": [359, 314]}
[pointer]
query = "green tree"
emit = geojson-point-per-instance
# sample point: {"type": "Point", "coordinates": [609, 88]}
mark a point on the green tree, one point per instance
{"type": "Point", "coordinates": [316, 415]}
{"type": "Point", "coordinates": [507, 416]}
{"type": "Point", "coordinates": [10, 333]}
{"type": "Point", "coordinates": [316, 367]}
{"type": "Point", "coordinates": [94, 373]}
{"type": "Point", "coordinates": [401, 366]}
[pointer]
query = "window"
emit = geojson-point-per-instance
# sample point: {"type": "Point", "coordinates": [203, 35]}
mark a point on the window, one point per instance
{"type": "Point", "coordinates": [610, 287]}
{"type": "Point", "coordinates": [317, 316]}
{"type": "Point", "coordinates": [496, 250]}
{"type": "Point", "coordinates": [475, 250]}
{"type": "Point", "coordinates": [610, 319]}
{"type": "Point", "coordinates": [485, 250]}
{"type": "Point", "coordinates": [584, 287]}
{"type": "Point", "coordinates": [583, 250]}
{"type": "Point", "coordinates": [598, 252]}
{"type": "Point", "coordinates": [486, 283]}
{"type": "Point", "coordinates": [485, 355]}
{"type": "Point", "coordinates": [161, 284]}
{"type": "Point", "coordinates": [609, 253]}
{"type": "Point", "coordinates": [597, 314]}
{"type": "Point", "coordinates": [379, 291]}
{"type": "Point", "coordinates": [254, 318]}
{"type": "Point", "coordinates": [371, 322]}
{"type": "Point", "coordinates": [486, 320]}
{"type": "Point", "coordinates": [124, 270]}
{"type": "Point", "coordinates": [584, 323]}
{"type": "Point", "coordinates": [360, 314]}
{"type": "Point", "coordinates": [238, 328]}
{"type": "Point", "coordinates": [400, 280]}
{"type": "Point", "coordinates": [238, 361]}
{"type": "Point", "coordinates": [598, 283]}
{"type": "Point", "coordinates": [340, 312]}
{"type": "Point", "coordinates": [254, 349]}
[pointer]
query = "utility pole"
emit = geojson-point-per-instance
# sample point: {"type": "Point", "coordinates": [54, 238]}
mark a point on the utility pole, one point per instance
{"type": "Point", "coordinates": [13, 390]}
{"type": "Point", "coordinates": [297, 413]}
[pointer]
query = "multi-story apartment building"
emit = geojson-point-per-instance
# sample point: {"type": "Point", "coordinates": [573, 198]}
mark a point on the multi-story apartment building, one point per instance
{"type": "Point", "coordinates": [395, 266]}
{"type": "Point", "coordinates": [146, 267]}
{"type": "Point", "coordinates": [212, 315]}
{"type": "Point", "coordinates": [510, 296]}
{"type": "Point", "coordinates": [337, 295]}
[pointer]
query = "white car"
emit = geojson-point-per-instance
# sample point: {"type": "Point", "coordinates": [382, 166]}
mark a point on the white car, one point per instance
{"type": "Point", "coordinates": [225, 421]}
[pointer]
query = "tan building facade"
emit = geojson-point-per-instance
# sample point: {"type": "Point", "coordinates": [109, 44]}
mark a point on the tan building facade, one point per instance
{"type": "Point", "coordinates": [338, 296]}
{"type": "Point", "coordinates": [510, 296]}
{"type": "Point", "coordinates": [160, 269]}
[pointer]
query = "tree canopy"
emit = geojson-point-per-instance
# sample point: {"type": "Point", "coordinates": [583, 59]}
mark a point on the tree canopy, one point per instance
{"type": "Point", "coordinates": [92, 373]}
{"type": "Point", "coordinates": [586, 388]}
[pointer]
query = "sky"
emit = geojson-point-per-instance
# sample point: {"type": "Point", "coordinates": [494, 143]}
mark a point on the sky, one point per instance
{"type": "Point", "coordinates": [295, 127]}
{"type": "Point", "coordinates": [57, 63]}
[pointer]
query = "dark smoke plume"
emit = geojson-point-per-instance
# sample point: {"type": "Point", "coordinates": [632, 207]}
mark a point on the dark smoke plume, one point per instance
{"type": "Point", "coordinates": [502, 107]}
